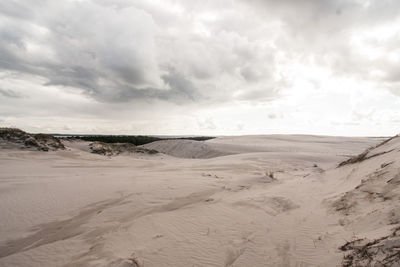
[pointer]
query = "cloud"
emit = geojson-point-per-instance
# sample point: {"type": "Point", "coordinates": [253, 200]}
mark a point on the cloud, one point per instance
{"type": "Point", "coordinates": [94, 49]}
{"type": "Point", "coordinates": [351, 38]}
{"type": "Point", "coordinates": [121, 51]}
{"type": "Point", "coordinates": [9, 93]}
{"type": "Point", "coordinates": [207, 124]}
{"type": "Point", "coordinates": [119, 55]}
{"type": "Point", "coordinates": [180, 90]}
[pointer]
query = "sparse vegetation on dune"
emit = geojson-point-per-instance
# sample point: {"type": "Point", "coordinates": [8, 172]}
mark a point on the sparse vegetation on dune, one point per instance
{"type": "Point", "coordinates": [110, 149]}
{"type": "Point", "coordinates": [365, 154]}
{"type": "Point", "coordinates": [374, 199]}
{"type": "Point", "coordinates": [42, 142]}
{"type": "Point", "coordinates": [101, 144]}
{"type": "Point", "coordinates": [383, 251]}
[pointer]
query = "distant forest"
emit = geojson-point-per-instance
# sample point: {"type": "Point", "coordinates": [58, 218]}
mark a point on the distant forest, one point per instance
{"type": "Point", "coordinates": [137, 140]}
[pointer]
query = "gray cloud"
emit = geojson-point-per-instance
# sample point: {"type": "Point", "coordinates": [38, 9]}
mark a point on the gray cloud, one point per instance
{"type": "Point", "coordinates": [181, 90]}
{"type": "Point", "coordinates": [92, 50]}
{"type": "Point", "coordinates": [9, 93]}
{"type": "Point", "coordinates": [305, 16]}
{"type": "Point", "coordinates": [121, 51]}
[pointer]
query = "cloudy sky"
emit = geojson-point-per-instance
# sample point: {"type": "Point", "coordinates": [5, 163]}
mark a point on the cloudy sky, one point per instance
{"type": "Point", "coordinates": [217, 67]}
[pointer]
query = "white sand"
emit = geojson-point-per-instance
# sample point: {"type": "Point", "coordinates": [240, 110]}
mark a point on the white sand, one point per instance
{"type": "Point", "coordinates": [73, 208]}
{"type": "Point", "coordinates": [186, 149]}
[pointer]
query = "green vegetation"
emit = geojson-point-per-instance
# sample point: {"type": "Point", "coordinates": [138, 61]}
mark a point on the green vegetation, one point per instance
{"type": "Point", "coordinates": [137, 140]}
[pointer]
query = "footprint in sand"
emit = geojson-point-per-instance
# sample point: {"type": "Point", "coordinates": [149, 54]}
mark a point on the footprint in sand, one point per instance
{"type": "Point", "coordinates": [236, 249]}
{"type": "Point", "coordinates": [232, 255]}
{"type": "Point", "coordinates": [283, 253]}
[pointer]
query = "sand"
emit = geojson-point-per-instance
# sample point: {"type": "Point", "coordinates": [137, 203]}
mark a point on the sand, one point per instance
{"type": "Point", "coordinates": [276, 200]}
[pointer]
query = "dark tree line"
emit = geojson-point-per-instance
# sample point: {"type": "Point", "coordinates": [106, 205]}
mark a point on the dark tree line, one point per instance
{"type": "Point", "coordinates": [137, 140]}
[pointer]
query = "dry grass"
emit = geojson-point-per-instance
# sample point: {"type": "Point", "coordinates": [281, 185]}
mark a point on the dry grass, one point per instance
{"type": "Point", "coordinates": [364, 155]}
{"type": "Point", "coordinates": [41, 142]}
{"type": "Point", "coordinates": [110, 149]}
{"type": "Point", "coordinates": [384, 251]}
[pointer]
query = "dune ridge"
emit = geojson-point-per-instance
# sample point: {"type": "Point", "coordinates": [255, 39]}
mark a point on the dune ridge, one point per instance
{"type": "Point", "coordinates": [12, 137]}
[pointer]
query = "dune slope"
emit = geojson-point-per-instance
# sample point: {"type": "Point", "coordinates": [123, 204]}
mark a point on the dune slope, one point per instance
{"type": "Point", "coordinates": [268, 201]}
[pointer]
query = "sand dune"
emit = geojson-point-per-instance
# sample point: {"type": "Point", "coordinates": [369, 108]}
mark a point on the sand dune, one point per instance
{"type": "Point", "coordinates": [232, 201]}
{"type": "Point", "coordinates": [186, 149]}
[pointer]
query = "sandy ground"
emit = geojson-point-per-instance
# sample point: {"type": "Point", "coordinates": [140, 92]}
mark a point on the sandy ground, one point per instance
{"type": "Point", "coordinates": [264, 201]}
